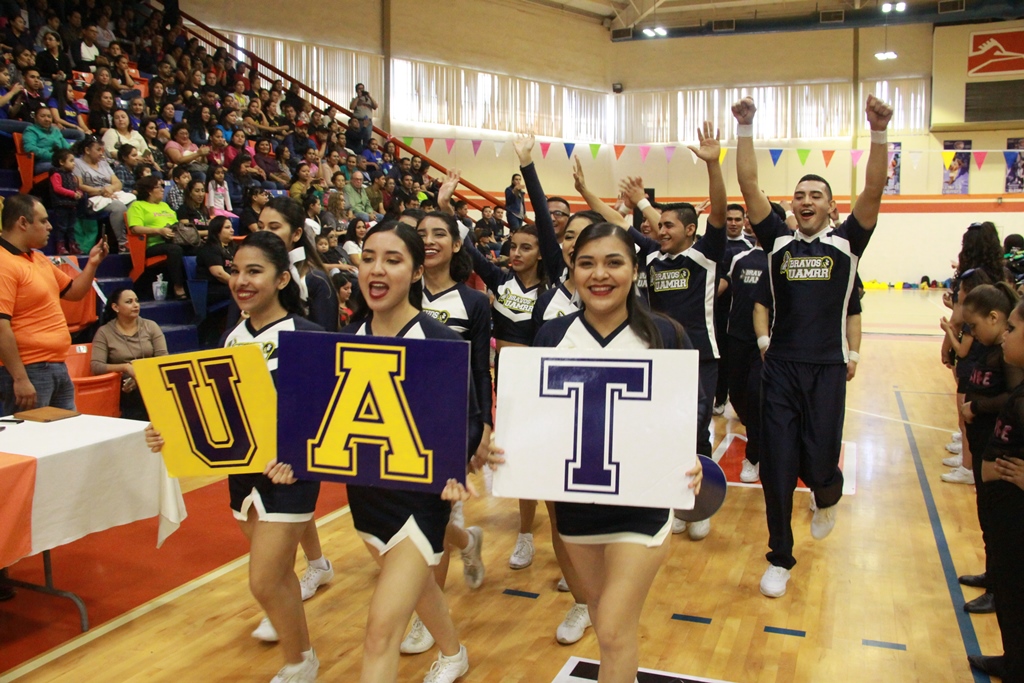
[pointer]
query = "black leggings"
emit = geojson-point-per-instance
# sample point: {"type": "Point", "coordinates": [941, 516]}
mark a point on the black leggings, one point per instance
{"type": "Point", "coordinates": [174, 268]}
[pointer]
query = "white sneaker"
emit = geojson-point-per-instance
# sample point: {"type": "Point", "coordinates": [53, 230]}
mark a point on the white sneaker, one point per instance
{"type": "Point", "coordinates": [448, 669]}
{"type": "Point", "coordinates": [458, 516]}
{"type": "Point", "coordinates": [750, 472]}
{"type": "Point", "coordinates": [956, 447]}
{"type": "Point", "coordinates": [953, 461]}
{"type": "Point", "coordinates": [563, 585]}
{"type": "Point", "coordinates": [813, 507]}
{"type": "Point", "coordinates": [961, 475]}
{"type": "Point", "coordinates": [957, 436]}
{"type": "Point", "coordinates": [313, 578]}
{"type": "Point", "coordinates": [823, 521]}
{"type": "Point", "coordinates": [678, 525]}
{"type": "Point", "coordinates": [773, 581]}
{"type": "Point", "coordinates": [419, 639]}
{"type": "Point", "coordinates": [472, 563]}
{"type": "Point", "coordinates": [576, 621]}
{"type": "Point", "coordinates": [265, 631]}
{"type": "Point", "coordinates": [718, 410]}
{"type": "Point", "coordinates": [305, 672]}
{"type": "Point", "coordinates": [522, 556]}
{"type": "Point", "coordinates": [699, 530]}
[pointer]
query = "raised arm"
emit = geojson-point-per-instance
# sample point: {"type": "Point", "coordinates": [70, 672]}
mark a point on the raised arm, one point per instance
{"type": "Point", "coordinates": [632, 190]}
{"type": "Point", "coordinates": [444, 195]}
{"type": "Point", "coordinates": [709, 151]}
{"type": "Point", "coordinates": [550, 252]}
{"type": "Point", "coordinates": [758, 206]}
{"type": "Point", "coordinates": [593, 201]}
{"type": "Point", "coordinates": [870, 199]}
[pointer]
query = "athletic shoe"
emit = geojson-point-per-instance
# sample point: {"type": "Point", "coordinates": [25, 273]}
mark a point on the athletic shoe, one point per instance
{"type": "Point", "coordinates": [419, 639]}
{"type": "Point", "coordinates": [448, 669]}
{"type": "Point", "coordinates": [265, 631]}
{"type": "Point", "coordinates": [718, 410]}
{"type": "Point", "coordinates": [458, 517]}
{"type": "Point", "coordinates": [699, 530]}
{"type": "Point", "coordinates": [957, 436]}
{"type": "Point", "coordinates": [522, 556]}
{"type": "Point", "coordinates": [576, 621]}
{"type": "Point", "coordinates": [563, 585]}
{"type": "Point", "coordinates": [305, 672]}
{"type": "Point", "coordinates": [313, 578]}
{"type": "Point", "coordinates": [813, 507]}
{"type": "Point", "coordinates": [823, 521]}
{"type": "Point", "coordinates": [472, 563]}
{"type": "Point", "coordinates": [750, 472]}
{"type": "Point", "coordinates": [955, 447]}
{"type": "Point", "coordinates": [953, 461]}
{"type": "Point", "coordinates": [773, 581]}
{"type": "Point", "coordinates": [960, 475]}
{"type": "Point", "coordinates": [678, 525]}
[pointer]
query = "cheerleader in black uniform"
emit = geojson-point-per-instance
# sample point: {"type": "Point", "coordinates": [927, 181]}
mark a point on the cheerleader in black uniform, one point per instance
{"type": "Point", "coordinates": [449, 300]}
{"type": "Point", "coordinates": [617, 550]}
{"type": "Point", "coordinates": [404, 530]}
{"type": "Point", "coordinates": [273, 514]}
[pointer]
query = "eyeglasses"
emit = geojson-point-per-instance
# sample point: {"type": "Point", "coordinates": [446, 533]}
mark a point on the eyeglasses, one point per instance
{"type": "Point", "coordinates": [560, 214]}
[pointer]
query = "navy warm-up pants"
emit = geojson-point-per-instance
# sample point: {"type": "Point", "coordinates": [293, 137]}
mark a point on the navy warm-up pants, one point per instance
{"type": "Point", "coordinates": [743, 378]}
{"type": "Point", "coordinates": [708, 372]}
{"type": "Point", "coordinates": [802, 411]}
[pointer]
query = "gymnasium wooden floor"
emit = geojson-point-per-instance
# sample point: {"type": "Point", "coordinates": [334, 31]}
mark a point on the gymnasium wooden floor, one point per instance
{"type": "Point", "coordinates": [875, 601]}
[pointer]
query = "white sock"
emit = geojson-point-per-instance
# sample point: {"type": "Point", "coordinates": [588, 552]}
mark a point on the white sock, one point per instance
{"type": "Point", "coordinates": [308, 654]}
{"type": "Point", "coordinates": [528, 537]}
{"type": "Point", "coordinates": [457, 655]}
{"type": "Point", "coordinates": [320, 563]}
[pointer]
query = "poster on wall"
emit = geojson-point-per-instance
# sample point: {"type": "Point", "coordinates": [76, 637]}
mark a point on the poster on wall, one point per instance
{"type": "Point", "coordinates": [1015, 165]}
{"type": "Point", "coordinates": [996, 53]}
{"type": "Point", "coordinates": [892, 182]}
{"type": "Point", "coordinates": [956, 158]}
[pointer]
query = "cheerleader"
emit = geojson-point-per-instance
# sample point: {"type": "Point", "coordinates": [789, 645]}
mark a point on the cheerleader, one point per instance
{"type": "Point", "coordinates": [617, 550]}
{"type": "Point", "coordinates": [273, 516]}
{"type": "Point", "coordinates": [404, 531]}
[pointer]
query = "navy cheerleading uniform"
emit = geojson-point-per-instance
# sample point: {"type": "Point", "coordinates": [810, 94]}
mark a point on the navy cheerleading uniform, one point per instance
{"type": "Point", "coordinates": [273, 502]}
{"type": "Point", "coordinates": [383, 518]}
{"type": "Point", "coordinates": [595, 523]}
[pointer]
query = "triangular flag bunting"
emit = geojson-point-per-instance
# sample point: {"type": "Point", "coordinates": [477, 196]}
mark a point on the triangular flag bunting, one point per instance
{"type": "Point", "coordinates": [408, 140]}
{"type": "Point", "coordinates": [476, 146]}
{"type": "Point", "coordinates": [721, 155]}
{"type": "Point", "coordinates": [498, 146]}
{"type": "Point", "coordinates": [595, 147]}
{"type": "Point", "coordinates": [427, 142]}
{"type": "Point", "coordinates": [618, 151]}
{"type": "Point", "coordinates": [449, 143]}
{"type": "Point", "coordinates": [1011, 157]}
{"type": "Point", "coordinates": [947, 158]}
{"type": "Point", "coordinates": [915, 158]}
{"type": "Point", "coordinates": [569, 147]}
{"type": "Point", "coordinates": [802, 154]}
{"type": "Point", "coordinates": [669, 151]}
{"type": "Point", "coordinates": [979, 158]}
{"type": "Point", "coordinates": [644, 151]}
{"type": "Point", "coordinates": [827, 155]}
{"type": "Point", "coordinates": [855, 155]}
{"type": "Point", "coordinates": [544, 147]}
{"type": "Point", "coordinates": [776, 154]}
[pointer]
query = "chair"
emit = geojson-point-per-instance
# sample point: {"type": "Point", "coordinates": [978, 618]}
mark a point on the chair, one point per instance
{"type": "Point", "coordinates": [94, 394]}
{"type": "Point", "coordinates": [26, 165]}
{"type": "Point", "coordinates": [199, 290]}
{"type": "Point", "coordinates": [82, 313]}
{"type": "Point", "coordinates": [137, 249]}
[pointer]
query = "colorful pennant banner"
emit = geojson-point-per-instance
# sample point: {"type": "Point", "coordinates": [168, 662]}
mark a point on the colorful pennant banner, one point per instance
{"type": "Point", "coordinates": [569, 147]}
{"type": "Point", "coordinates": [721, 155]}
{"type": "Point", "coordinates": [644, 151]}
{"type": "Point", "coordinates": [669, 151]}
{"type": "Point", "coordinates": [595, 147]}
{"type": "Point", "coordinates": [449, 143]}
{"type": "Point", "coordinates": [776, 155]}
{"type": "Point", "coordinates": [855, 155]}
{"type": "Point", "coordinates": [408, 140]}
{"type": "Point", "coordinates": [476, 146]}
{"type": "Point", "coordinates": [498, 146]}
{"type": "Point", "coordinates": [618, 151]}
{"type": "Point", "coordinates": [827, 154]}
{"type": "Point", "coordinates": [979, 158]}
{"type": "Point", "coordinates": [802, 154]}
{"type": "Point", "coordinates": [427, 142]}
{"type": "Point", "coordinates": [947, 157]}
{"type": "Point", "coordinates": [544, 147]}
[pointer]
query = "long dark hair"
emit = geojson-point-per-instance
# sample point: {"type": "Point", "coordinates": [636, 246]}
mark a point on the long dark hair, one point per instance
{"type": "Point", "coordinates": [215, 227]}
{"type": "Point", "coordinates": [542, 273]}
{"type": "Point", "coordinates": [275, 251]}
{"type": "Point", "coordinates": [461, 265]}
{"type": "Point", "coordinates": [295, 217]}
{"type": "Point", "coordinates": [108, 311]}
{"type": "Point", "coordinates": [982, 249]}
{"type": "Point", "coordinates": [418, 253]}
{"type": "Point", "coordinates": [350, 231]}
{"type": "Point", "coordinates": [640, 321]}
{"type": "Point", "coordinates": [987, 298]}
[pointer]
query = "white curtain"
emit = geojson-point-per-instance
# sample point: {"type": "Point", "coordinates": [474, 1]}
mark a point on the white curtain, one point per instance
{"type": "Point", "coordinates": [910, 101]}
{"type": "Point", "coordinates": [643, 117]}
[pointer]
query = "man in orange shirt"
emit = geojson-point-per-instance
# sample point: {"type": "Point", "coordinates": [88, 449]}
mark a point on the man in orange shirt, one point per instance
{"type": "Point", "coordinates": [34, 337]}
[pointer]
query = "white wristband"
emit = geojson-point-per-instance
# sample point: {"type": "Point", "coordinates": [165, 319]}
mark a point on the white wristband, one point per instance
{"type": "Point", "coordinates": [745, 130]}
{"type": "Point", "coordinates": [854, 356]}
{"type": "Point", "coordinates": [763, 342]}
{"type": "Point", "coordinates": [643, 204]}
{"type": "Point", "coordinates": [879, 137]}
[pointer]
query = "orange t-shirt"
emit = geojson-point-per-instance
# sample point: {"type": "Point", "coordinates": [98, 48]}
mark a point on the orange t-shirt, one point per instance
{"type": "Point", "coordinates": [30, 292]}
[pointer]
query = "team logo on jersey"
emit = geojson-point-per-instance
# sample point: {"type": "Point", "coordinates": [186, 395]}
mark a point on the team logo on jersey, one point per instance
{"type": "Point", "coordinates": [751, 276]}
{"type": "Point", "coordinates": [439, 316]}
{"type": "Point", "coordinates": [266, 347]}
{"type": "Point", "coordinates": [516, 303]}
{"type": "Point", "coordinates": [596, 387]}
{"type": "Point", "coordinates": [669, 280]}
{"type": "Point", "coordinates": [369, 419]}
{"type": "Point", "coordinates": [806, 267]}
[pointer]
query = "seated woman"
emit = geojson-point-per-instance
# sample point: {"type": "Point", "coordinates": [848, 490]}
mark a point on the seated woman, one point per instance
{"type": "Point", "coordinates": [253, 201]}
{"type": "Point", "coordinates": [269, 164]}
{"type": "Point", "coordinates": [126, 337]}
{"type": "Point", "coordinates": [42, 138]}
{"type": "Point", "coordinates": [97, 180]}
{"type": "Point", "coordinates": [101, 113]}
{"type": "Point", "coordinates": [68, 111]}
{"type": "Point", "coordinates": [181, 151]}
{"type": "Point", "coordinates": [122, 134]}
{"type": "Point", "coordinates": [193, 209]}
{"type": "Point", "coordinates": [149, 215]}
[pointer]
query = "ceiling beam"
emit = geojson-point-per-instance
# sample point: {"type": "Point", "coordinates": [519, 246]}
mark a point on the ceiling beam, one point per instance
{"type": "Point", "coordinates": [634, 14]}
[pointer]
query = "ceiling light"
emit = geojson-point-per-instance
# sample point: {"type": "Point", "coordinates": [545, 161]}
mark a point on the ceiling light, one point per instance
{"type": "Point", "coordinates": [881, 56]}
{"type": "Point", "coordinates": [649, 33]}
{"type": "Point", "coordinates": [661, 32]}
{"type": "Point", "coordinates": [900, 6]}
{"type": "Point", "coordinates": [890, 55]}
{"type": "Point", "coordinates": [886, 7]}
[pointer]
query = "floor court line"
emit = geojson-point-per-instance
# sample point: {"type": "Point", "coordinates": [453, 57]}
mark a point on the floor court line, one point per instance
{"type": "Point", "coordinates": [140, 611]}
{"type": "Point", "coordinates": [967, 633]}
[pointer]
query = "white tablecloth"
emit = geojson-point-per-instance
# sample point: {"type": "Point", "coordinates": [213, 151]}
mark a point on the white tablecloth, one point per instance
{"type": "Point", "coordinates": [93, 473]}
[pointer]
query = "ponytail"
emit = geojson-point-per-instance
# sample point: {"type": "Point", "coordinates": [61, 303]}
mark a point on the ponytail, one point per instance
{"type": "Point", "coordinates": [985, 299]}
